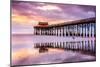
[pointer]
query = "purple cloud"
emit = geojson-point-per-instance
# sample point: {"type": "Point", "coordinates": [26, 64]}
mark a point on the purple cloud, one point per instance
{"type": "Point", "coordinates": [52, 12]}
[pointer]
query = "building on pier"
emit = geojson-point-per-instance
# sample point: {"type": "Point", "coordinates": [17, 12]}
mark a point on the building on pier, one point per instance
{"type": "Point", "coordinates": [82, 28]}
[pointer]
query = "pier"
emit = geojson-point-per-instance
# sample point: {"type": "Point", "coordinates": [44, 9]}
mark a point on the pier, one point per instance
{"type": "Point", "coordinates": [85, 28]}
{"type": "Point", "coordinates": [78, 28]}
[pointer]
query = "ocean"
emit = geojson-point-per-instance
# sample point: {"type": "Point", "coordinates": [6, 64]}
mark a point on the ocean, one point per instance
{"type": "Point", "coordinates": [24, 53]}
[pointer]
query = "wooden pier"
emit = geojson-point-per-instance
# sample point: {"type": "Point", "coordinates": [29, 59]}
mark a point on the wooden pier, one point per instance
{"type": "Point", "coordinates": [81, 28]}
{"type": "Point", "coordinates": [85, 28]}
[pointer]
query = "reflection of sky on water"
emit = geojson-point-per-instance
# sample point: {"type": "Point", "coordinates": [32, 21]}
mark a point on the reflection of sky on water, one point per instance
{"type": "Point", "coordinates": [24, 53]}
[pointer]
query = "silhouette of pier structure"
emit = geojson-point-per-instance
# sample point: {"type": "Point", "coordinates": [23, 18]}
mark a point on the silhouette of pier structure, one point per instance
{"type": "Point", "coordinates": [85, 28]}
{"type": "Point", "coordinates": [78, 28]}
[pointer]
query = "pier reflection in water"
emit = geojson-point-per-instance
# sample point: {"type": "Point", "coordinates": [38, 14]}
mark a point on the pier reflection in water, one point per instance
{"type": "Point", "coordinates": [31, 49]}
{"type": "Point", "coordinates": [88, 46]}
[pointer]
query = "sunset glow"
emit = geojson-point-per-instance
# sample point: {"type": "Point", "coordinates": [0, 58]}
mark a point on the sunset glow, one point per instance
{"type": "Point", "coordinates": [25, 15]}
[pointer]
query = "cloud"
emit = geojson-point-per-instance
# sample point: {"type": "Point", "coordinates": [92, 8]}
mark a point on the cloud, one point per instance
{"type": "Point", "coordinates": [49, 8]}
{"type": "Point", "coordinates": [91, 13]}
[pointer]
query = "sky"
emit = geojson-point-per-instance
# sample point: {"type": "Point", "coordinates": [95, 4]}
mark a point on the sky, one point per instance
{"type": "Point", "coordinates": [25, 15]}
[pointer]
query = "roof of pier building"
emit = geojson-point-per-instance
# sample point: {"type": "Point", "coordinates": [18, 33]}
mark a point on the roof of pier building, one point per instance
{"type": "Point", "coordinates": [45, 24]}
{"type": "Point", "coordinates": [42, 24]}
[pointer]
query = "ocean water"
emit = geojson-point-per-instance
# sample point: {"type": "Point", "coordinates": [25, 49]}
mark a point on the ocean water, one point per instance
{"type": "Point", "coordinates": [24, 53]}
